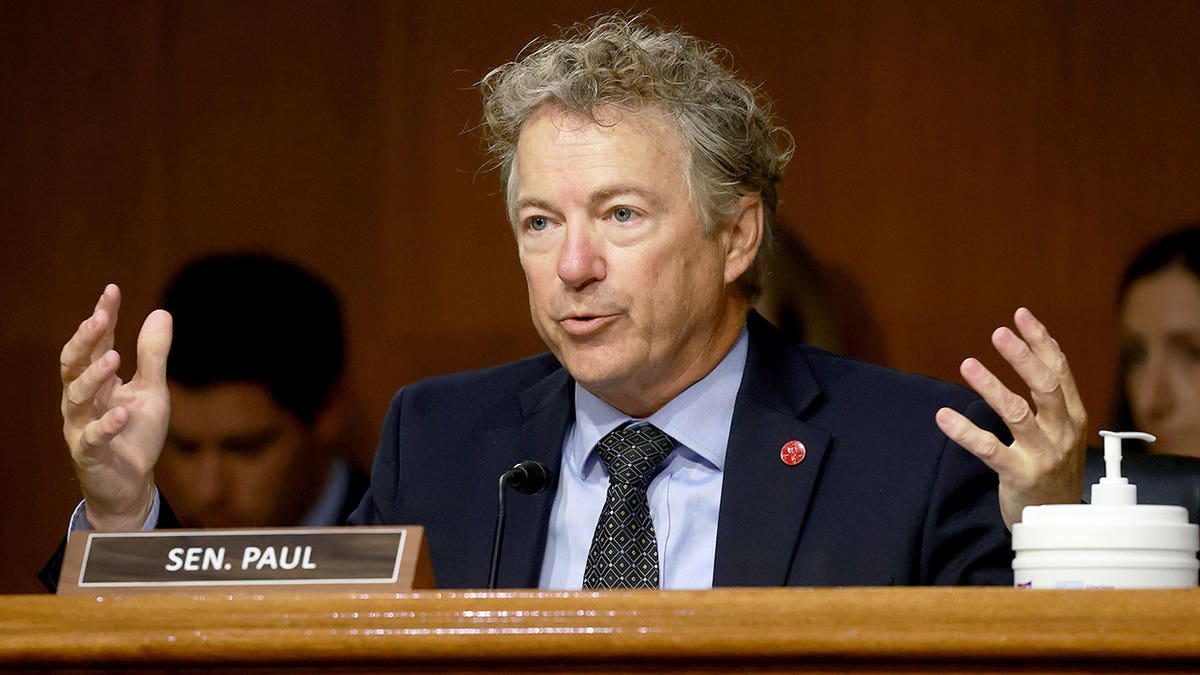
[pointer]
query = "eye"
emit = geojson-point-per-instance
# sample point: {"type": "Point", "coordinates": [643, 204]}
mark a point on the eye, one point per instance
{"type": "Point", "coordinates": [537, 223]}
{"type": "Point", "coordinates": [182, 446]}
{"type": "Point", "coordinates": [1186, 350]}
{"type": "Point", "coordinates": [245, 448]}
{"type": "Point", "coordinates": [623, 214]}
{"type": "Point", "coordinates": [1133, 353]}
{"type": "Point", "coordinates": [251, 444]}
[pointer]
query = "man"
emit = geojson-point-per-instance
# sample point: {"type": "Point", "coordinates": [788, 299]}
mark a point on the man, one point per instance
{"type": "Point", "coordinates": [251, 440]}
{"type": "Point", "coordinates": [641, 183]}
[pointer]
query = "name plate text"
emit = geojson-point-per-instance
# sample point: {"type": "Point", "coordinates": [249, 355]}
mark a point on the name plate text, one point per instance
{"type": "Point", "coordinates": [162, 560]}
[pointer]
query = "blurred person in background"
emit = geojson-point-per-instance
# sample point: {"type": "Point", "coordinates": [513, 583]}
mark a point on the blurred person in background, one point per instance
{"type": "Point", "coordinates": [1159, 375]}
{"type": "Point", "coordinates": [818, 303]}
{"type": "Point", "coordinates": [253, 440]}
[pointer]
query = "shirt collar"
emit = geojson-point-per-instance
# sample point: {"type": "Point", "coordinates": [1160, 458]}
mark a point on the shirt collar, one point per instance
{"type": "Point", "coordinates": [699, 417]}
{"type": "Point", "coordinates": [328, 509]}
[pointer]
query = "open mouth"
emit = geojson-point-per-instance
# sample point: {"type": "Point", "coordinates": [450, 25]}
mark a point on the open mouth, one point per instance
{"type": "Point", "coordinates": [583, 324]}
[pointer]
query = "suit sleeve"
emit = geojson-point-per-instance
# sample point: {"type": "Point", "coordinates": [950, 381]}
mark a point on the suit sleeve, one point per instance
{"type": "Point", "coordinates": [965, 540]}
{"type": "Point", "coordinates": [378, 501]}
{"type": "Point", "coordinates": [52, 570]}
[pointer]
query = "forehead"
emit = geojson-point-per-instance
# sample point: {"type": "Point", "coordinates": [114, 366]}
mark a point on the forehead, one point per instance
{"type": "Point", "coordinates": [650, 121]}
{"type": "Point", "coordinates": [1169, 298]}
{"type": "Point", "coordinates": [556, 144]}
{"type": "Point", "coordinates": [226, 408]}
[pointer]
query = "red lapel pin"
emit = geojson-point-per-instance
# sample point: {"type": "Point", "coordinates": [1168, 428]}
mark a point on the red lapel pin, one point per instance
{"type": "Point", "coordinates": [792, 453]}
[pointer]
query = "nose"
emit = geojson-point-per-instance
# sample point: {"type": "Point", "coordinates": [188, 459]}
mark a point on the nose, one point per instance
{"type": "Point", "coordinates": [580, 257]}
{"type": "Point", "coordinates": [1151, 395]}
{"type": "Point", "coordinates": [208, 483]}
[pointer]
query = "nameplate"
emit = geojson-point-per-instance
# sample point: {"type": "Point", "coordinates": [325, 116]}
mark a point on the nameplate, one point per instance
{"type": "Point", "coordinates": [161, 561]}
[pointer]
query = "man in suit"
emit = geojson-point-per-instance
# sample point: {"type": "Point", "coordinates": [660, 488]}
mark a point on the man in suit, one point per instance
{"type": "Point", "coordinates": [689, 444]}
{"type": "Point", "coordinates": [252, 441]}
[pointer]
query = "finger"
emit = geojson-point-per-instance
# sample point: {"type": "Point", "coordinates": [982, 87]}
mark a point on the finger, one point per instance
{"type": "Point", "coordinates": [100, 432]}
{"type": "Point", "coordinates": [77, 354]}
{"type": "Point", "coordinates": [82, 392]}
{"type": "Point", "coordinates": [109, 302]}
{"type": "Point", "coordinates": [1049, 351]}
{"type": "Point", "coordinates": [982, 444]}
{"type": "Point", "coordinates": [1044, 385]}
{"type": "Point", "coordinates": [154, 344]}
{"type": "Point", "coordinates": [1013, 410]}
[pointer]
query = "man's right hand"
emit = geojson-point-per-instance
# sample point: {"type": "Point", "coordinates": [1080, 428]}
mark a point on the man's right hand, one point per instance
{"type": "Point", "coordinates": [115, 430]}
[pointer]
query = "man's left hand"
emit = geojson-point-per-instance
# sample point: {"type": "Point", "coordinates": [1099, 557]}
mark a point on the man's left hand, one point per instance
{"type": "Point", "coordinates": [1044, 463]}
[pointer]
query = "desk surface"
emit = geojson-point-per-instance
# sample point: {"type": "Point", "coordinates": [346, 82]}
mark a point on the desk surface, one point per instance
{"type": "Point", "coordinates": [864, 629]}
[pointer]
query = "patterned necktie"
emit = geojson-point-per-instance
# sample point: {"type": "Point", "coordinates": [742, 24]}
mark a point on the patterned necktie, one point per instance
{"type": "Point", "coordinates": [624, 553]}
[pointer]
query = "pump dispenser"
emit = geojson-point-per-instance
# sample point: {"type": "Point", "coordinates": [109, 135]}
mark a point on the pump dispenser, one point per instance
{"type": "Point", "coordinates": [1111, 543]}
{"type": "Point", "coordinates": [1114, 489]}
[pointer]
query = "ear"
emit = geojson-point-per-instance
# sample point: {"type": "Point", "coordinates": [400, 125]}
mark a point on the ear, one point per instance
{"type": "Point", "coordinates": [331, 419]}
{"type": "Point", "coordinates": [742, 235]}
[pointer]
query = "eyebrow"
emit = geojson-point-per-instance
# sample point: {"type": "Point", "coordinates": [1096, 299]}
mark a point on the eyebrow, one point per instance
{"type": "Point", "coordinates": [251, 436]}
{"type": "Point", "coordinates": [531, 202]}
{"type": "Point", "coordinates": [618, 190]}
{"type": "Point", "coordinates": [1184, 337]}
{"type": "Point", "coordinates": [596, 197]}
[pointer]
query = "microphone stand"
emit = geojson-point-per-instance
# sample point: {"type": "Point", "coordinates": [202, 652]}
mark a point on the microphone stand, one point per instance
{"type": "Point", "coordinates": [499, 533]}
{"type": "Point", "coordinates": [528, 477]}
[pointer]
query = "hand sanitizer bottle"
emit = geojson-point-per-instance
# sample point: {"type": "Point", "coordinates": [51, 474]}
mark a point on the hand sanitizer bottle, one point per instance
{"type": "Point", "coordinates": [1111, 543]}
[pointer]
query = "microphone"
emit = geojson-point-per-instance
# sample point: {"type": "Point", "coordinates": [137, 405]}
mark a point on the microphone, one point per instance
{"type": "Point", "coordinates": [528, 477]}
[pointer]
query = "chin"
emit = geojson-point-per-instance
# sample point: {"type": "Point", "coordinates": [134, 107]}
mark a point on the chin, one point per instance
{"type": "Point", "coordinates": [605, 382]}
{"type": "Point", "coordinates": [1189, 447]}
{"type": "Point", "coordinates": [596, 379]}
{"type": "Point", "coordinates": [219, 523]}
{"type": "Point", "coordinates": [596, 365]}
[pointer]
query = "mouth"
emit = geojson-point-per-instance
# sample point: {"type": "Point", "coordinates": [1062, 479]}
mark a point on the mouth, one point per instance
{"type": "Point", "coordinates": [1167, 437]}
{"type": "Point", "coordinates": [580, 325]}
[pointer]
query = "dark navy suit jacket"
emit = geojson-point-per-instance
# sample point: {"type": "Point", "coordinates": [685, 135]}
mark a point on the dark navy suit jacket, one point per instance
{"type": "Point", "coordinates": [881, 498]}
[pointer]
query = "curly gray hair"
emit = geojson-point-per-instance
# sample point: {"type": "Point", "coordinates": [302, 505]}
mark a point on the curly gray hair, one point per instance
{"type": "Point", "coordinates": [732, 143]}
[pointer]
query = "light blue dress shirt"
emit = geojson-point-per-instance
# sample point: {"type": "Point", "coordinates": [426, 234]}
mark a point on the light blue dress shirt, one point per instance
{"type": "Point", "coordinates": [685, 496]}
{"type": "Point", "coordinates": [324, 512]}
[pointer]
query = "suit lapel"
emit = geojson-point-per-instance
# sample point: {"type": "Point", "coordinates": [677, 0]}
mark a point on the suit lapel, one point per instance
{"type": "Point", "coordinates": [547, 408]}
{"type": "Point", "coordinates": [764, 500]}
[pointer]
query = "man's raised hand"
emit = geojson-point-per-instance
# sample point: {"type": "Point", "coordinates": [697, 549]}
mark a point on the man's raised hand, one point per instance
{"type": "Point", "coordinates": [1044, 463]}
{"type": "Point", "coordinates": [115, 429]}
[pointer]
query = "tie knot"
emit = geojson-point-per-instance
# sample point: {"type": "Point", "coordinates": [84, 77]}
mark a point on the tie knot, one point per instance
{"type": "Point", "coordinates": [631, 452]}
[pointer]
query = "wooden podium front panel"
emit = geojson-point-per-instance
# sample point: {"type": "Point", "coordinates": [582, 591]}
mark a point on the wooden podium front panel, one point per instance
{"type": "Point", "coordinates": [866, 629]}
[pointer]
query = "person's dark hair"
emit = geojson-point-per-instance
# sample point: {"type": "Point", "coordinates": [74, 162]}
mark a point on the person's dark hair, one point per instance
{"type": "Point", "coordinates": [254, 318]}
{"type": "Point", "coordinates": [1179, 248]}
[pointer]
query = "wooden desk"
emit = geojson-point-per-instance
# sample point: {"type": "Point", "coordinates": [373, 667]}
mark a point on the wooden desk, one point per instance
{"type": "Point", "coordinates": [863, 629]}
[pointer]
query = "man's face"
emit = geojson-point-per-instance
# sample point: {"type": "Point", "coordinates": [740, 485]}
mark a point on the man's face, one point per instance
{"type": "Point", "coordinates": [236, 458]}
{"type": "Point", "coordinates": [1160, 342]}
{"type": "Point", "coordinates": [624, 287]}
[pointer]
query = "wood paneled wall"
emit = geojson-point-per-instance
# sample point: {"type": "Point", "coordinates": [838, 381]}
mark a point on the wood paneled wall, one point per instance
{"type": "Point", "coordinates": [956, 159]}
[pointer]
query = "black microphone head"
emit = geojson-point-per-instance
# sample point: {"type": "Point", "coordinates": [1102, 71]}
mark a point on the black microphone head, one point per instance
{"type": "Point", "coordinates": [528, 477]}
